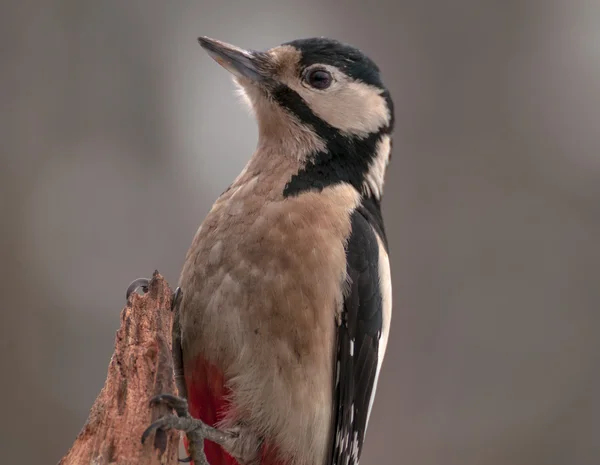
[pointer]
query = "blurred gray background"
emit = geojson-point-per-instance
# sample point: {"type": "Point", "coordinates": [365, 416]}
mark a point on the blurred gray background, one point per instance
{"type": "Point", "coordinates": [118, 133]}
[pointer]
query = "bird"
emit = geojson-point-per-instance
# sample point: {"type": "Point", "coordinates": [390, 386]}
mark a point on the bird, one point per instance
{"type": "Point", "coordinates": [283, 307]}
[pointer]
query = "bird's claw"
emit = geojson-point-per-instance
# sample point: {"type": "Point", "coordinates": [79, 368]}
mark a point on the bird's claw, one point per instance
{"type": "Point", "coordinates": [179, 404]}
{"type": "Point", "coordinates": [182, 422]}
{"type": "Point", "coordinates": [197, 431]}
{"type": "Point", "coordinates": [144, 284]}
{"type": "Point", "coordinates": [136, 284]}
{"type": "Point", "coordinates": [176, 299]}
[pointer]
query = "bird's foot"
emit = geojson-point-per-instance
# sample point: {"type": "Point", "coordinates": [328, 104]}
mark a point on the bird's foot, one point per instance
{"type": "Point", "coordinates": [140, 283]}
{"type": "Point", "coordinates": [144, 283]}
{"type": "Point", "coordinates": [196, 430]}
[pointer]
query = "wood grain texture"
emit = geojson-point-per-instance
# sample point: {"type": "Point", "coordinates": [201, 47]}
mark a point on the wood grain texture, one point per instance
{"type": "Point", "coordinates": [141, 367]}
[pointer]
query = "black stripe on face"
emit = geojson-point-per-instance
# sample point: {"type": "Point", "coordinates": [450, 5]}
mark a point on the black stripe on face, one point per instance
{"type": "Point", "coordinates": [345, 159]}
{"type": "Point", "coordinates": [290, 100]}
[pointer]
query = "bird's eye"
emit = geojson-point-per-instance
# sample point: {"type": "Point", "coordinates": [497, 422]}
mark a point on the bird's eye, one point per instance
{"type": "Point", "coordinates": [319, 79]}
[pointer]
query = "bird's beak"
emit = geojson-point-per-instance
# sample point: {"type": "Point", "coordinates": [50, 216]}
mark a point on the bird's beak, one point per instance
{"type": "Point", "coordinates": [241, 63]}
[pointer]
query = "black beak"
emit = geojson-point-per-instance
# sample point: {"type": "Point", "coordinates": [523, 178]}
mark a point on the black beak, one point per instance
{"type": "Point", "coordinates": [241, 63]}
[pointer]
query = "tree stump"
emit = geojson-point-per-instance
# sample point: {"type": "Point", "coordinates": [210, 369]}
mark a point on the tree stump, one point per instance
{"type": "Point", "coordinates": [140, 368]}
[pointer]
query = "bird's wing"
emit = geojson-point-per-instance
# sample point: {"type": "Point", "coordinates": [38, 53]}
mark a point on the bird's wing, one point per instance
{"type": "Point", "coordinates": [361, 334]}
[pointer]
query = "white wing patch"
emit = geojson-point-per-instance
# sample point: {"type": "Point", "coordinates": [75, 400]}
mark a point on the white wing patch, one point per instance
{"type": "Point", "coordinates": [363, 333]}
{"type": "Point", "coordinates": [385, 284]}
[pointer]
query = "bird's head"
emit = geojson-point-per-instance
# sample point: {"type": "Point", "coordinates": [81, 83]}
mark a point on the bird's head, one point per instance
{"type": "Point", "coordinates": [319, 100]}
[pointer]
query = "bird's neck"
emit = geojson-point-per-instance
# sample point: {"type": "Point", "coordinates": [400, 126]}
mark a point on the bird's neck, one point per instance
{"type": "Point", "coordinates": [281, 133]}
{"type": "Point", "coordinates": [316, 154]}
{"type": "Point", "coordinates": [360, 162]}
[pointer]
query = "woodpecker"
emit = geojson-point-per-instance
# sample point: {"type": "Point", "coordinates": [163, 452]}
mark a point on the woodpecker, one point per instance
{"type": "Point", "coordinates": [282, 315]}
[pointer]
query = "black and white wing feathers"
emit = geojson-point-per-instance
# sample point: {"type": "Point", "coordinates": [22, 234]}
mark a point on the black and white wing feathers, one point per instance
{"type": "Point", "coordinates": [359, 355]}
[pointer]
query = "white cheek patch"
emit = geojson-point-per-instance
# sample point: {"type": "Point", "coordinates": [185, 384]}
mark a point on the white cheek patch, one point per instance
{"type": "Point", "coordinates": [352, 107]}
{"type": "Point", "coordinates": [375, 177]}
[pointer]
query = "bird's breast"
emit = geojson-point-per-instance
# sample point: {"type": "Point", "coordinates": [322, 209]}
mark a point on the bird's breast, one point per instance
{"type": "Point", "coordinates": [268, 262]}
{"type": "Point", "coordinates": [262, 284]}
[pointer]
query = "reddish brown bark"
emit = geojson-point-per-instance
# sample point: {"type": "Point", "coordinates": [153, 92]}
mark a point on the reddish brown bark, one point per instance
{"type": "Point", "coordinates": [141, 367]}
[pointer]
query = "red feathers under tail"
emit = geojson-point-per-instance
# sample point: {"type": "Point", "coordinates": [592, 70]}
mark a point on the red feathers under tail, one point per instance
{"type": "Point", "coordinates": [207, 400]}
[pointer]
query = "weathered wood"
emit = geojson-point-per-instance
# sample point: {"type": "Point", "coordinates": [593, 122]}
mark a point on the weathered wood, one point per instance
{"type": "Point", "coordinates": [140, 368]}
